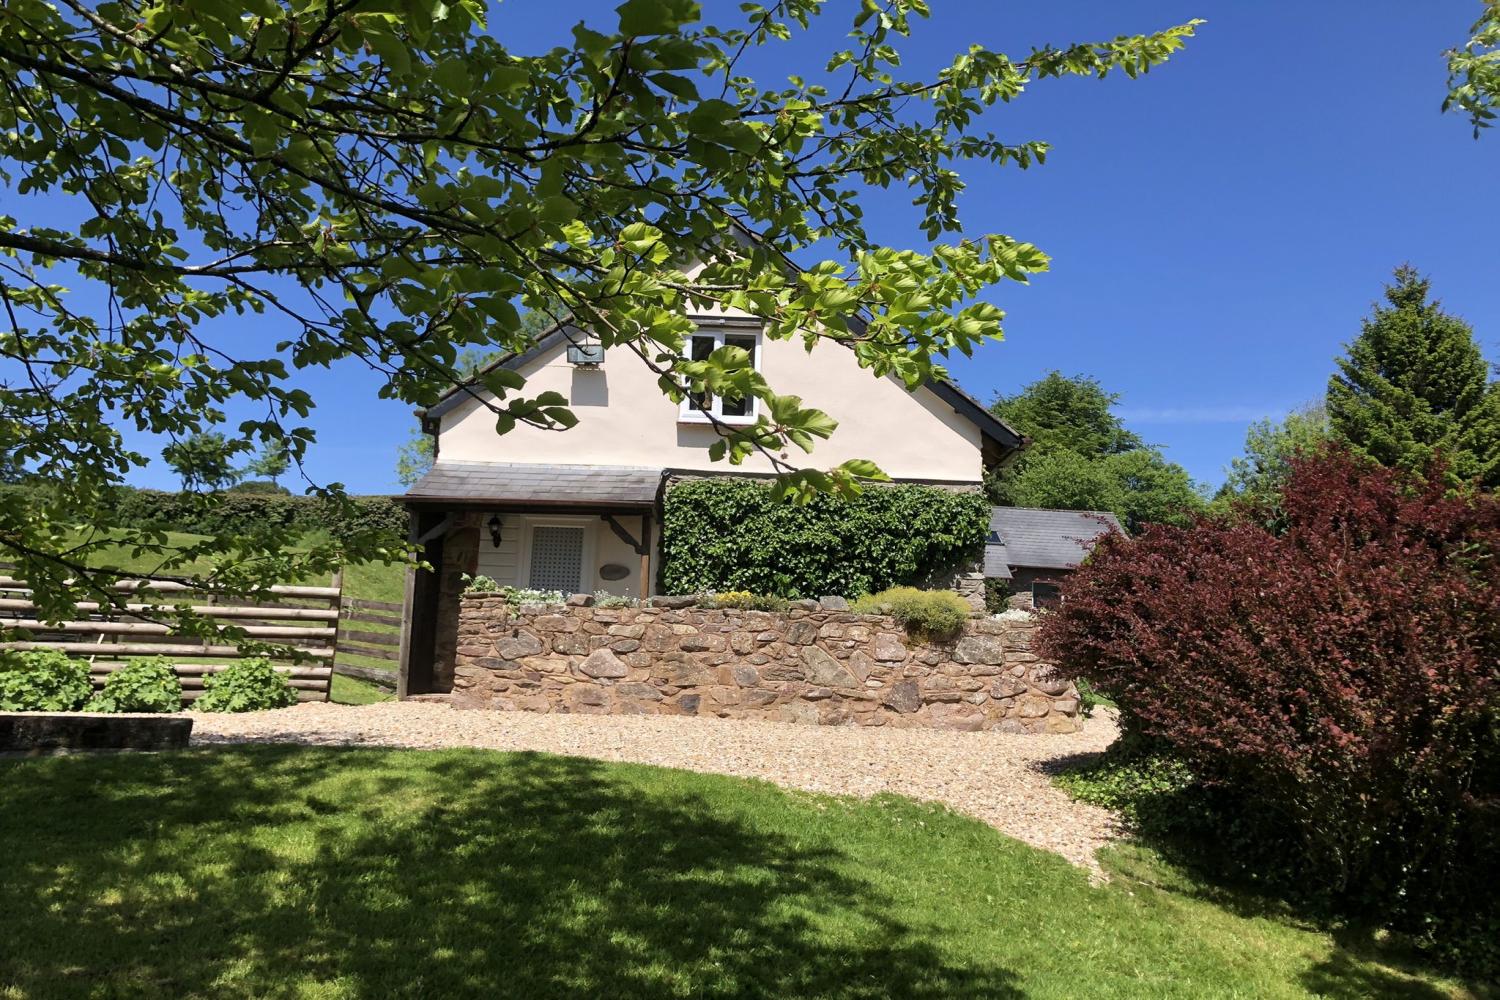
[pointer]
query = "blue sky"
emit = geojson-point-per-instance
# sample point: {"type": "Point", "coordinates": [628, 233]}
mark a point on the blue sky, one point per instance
{"type": "Point", "coordinates": [1217, 228]}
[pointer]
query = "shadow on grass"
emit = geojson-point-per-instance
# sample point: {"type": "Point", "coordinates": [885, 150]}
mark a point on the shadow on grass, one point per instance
{"type": "Point", "coordinates": [253, 872]}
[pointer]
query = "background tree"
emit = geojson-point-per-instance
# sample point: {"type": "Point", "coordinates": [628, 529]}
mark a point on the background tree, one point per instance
{"type": "Point", "coordinates": [271, 463]}
{"type": "Point", "coordinates": [1082, 457]}
{"type": "Point", "coordinates": [204, 461]}
{"type": "Point", "coordinates": [1412, 384]}
{"type": "Point", "coordinates": [1072, 412]}
{"type": "Point", "coordinates": [393, 182]}
{"type": "Point", "coordinates": [1269, 450]}
{"type": "Point", "coordinates": [1474, 70]}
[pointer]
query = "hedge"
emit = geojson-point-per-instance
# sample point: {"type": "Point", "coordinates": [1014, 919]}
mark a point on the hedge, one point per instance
{"type": "Point", "coordinates": [730, 534]}
{"type": "Point", "coordinates": [241, 513]}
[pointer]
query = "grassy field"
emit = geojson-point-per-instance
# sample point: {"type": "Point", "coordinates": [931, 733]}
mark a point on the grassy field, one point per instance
{"type": "Point", "coordinates": [324, 873]}
{"type": "Point", "coordinates": [368, 581]}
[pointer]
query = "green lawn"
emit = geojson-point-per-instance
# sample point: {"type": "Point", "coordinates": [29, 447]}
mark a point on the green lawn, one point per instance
{"type": "Point", "coordinates": [284, 872]}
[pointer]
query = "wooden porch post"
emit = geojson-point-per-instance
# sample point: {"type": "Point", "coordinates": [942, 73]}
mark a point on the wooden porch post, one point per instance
{"type": "Point", "coordinates": [645, 555]}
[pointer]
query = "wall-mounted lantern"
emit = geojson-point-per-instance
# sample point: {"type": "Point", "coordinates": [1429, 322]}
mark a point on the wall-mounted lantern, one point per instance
{"type": "Point", "coordinates": [495, 525]}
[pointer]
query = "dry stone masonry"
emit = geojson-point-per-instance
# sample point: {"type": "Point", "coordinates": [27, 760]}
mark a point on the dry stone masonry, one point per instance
{"type": "Point", "coordinates": [816, 663]}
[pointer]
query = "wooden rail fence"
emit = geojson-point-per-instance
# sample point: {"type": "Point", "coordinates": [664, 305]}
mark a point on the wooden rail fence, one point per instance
{"type": "Point", "coordinates": [363, 642]}
{"type": "Point", "coordinates": [302, 623]}
{"type": "Point", "coordinates": [309, 621]}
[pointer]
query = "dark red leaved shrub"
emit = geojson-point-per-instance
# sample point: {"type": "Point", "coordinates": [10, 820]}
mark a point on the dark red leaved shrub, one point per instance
{"type": "Point", "coordinates": [1341, 669]}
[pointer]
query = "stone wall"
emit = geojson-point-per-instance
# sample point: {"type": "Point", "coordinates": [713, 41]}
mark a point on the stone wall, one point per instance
{"type": "Point", "coordinates": [812, 664]}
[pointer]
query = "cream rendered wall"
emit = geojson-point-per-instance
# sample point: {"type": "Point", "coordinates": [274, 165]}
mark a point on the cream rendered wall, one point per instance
{"type": "Point", "coordinates": [623, 419]}
{"type": "Point", "coordinates": [507, 564]}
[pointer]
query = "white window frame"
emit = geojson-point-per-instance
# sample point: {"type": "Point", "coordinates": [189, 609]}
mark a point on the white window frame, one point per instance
{"type": "Point", "coordinates": [687, 413]}
{"type": "Point", "coordinates": [586, 572]}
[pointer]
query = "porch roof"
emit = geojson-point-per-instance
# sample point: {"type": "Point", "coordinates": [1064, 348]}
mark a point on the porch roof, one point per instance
{"type": "Point", "coordinates": [531, 484]}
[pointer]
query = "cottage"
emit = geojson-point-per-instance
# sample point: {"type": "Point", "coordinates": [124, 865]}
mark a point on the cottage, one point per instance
{"type": "Point", "coordinates": [580, 511]}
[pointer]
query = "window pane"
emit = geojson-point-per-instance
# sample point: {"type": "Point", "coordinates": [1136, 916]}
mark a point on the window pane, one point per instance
{"type": "Point", "coordinates": [740, 407]}
{"type": "Point", "coordinates": [557, 558]}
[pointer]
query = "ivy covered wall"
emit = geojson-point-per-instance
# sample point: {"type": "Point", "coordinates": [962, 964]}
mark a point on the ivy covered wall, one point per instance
{"type": "Point", "coordinates": [730, 534]}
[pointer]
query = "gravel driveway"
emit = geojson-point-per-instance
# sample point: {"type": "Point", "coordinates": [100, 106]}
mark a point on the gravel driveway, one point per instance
{"type": "Point", "coordinates": [1002, 779]}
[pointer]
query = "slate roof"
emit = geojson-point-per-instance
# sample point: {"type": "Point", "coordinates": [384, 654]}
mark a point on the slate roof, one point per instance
{"type": "Point", "coordinates": [1044, 539]}
{"type": "Point", "coordinates": [517, 483]}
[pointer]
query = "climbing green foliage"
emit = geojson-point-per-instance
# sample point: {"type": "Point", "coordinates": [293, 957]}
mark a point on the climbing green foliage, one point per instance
{"type": "Point", "coordinates": [1414, 384]}
{"type": "Point", "coordinates": [387, 184]}
{"type": "Point", "coordinates": [726, 534]}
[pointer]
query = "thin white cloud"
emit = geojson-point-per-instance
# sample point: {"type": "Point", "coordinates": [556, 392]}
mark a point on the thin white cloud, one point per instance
{"type": "Point", "coordinates": [1197, 414]}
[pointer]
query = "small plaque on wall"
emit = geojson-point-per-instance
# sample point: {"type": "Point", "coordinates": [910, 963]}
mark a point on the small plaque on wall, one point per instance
{"type": "Point", "coordinates": [613, 571]}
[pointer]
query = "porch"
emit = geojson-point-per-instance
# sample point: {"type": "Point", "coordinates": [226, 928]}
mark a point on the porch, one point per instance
{"type": "Point", "coordinates": [563, 528]}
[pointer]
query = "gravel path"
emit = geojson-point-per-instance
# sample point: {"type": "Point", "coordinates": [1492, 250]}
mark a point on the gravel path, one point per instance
{"type": "Point", "coordinates": [999, 778]}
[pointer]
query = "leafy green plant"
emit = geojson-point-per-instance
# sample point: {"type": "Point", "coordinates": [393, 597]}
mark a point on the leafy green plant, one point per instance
{"type": "Point", "coordinates": [147, 685]}
{"type": "Point", "coordinates": [480, 584]}
{"type": "Point", "coordinates": [743, 600]}
{"type": "Point", "coordinates": [246, 686]}
{"type": "Point", "coordinates": [727, 534]}
{"type": "Point", "coordinates": [931, 614]}
{"type": "Point", "coordinates": [42, 681]}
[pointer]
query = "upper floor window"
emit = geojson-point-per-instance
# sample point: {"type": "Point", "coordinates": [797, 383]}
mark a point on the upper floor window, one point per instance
{"type": "Point", "coordinates": [699, 407]}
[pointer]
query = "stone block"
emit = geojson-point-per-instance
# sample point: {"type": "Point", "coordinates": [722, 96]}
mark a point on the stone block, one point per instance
{"type": "Point", "coordinates": [904, 697]}
{"type": "Point", "coordinates": [802, 633]}
{"type": "Point", "coordinates": [572, 643]}
{"type": "Point", "coordinates": [824, 670]}
{"type": "Point", "coordinates": [889, 648]}
{"type": "Point", "coordinates": [979, 649]}
{"type": "Point", "coordinates": [603, 663]}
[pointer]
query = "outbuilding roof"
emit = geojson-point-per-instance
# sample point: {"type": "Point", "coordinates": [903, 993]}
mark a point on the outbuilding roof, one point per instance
{"type": "Point", "coordinates": [1045, 539]}
{"type": "Point", "coordinates": [532, 484]}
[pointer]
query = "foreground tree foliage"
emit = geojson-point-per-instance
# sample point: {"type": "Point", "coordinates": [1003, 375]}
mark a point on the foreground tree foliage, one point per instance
{"type": "Point", "coordinates": [1474, 70]}
{"type": "Point", "coordinates": [1339, 674]}
{"type": "Point", "coordinates": [388, 184]}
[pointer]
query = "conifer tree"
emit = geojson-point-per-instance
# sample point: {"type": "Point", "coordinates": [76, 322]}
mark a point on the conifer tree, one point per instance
{"type": "Point", "coordinates": [1414, 384]}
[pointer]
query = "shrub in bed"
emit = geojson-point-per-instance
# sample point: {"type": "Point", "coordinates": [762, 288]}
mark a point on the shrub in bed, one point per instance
{"type": "Point", "coordinates": [146, 685]}
{"type": "Point", "coordinates": [246, 686]}
{"type": "Point", "coordinates": [1334, 662]}
{"type": "Point", "coordinates": [743, 600]}
{"type": "Point", "coordinates": [935, 614]}
{"type": "Point", "coordinates": [42, 681]}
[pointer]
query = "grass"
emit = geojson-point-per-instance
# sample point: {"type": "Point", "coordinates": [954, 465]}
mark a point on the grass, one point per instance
{"type": "Point", "coordinates": [330, 873]}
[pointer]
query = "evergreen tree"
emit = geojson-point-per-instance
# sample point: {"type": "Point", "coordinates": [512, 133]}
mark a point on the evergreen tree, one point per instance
{"type": "Point", "coordinates": [1413, 385]}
